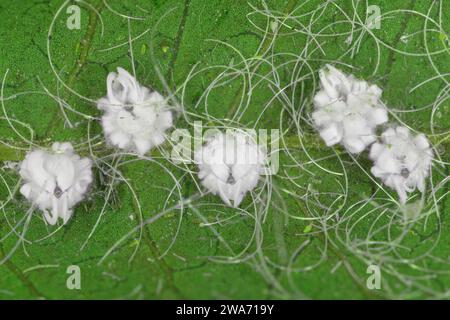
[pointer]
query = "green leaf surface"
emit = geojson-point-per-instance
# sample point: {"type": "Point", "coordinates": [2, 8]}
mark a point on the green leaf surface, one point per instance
{"type": "Point", "coordinates": [291, 246]}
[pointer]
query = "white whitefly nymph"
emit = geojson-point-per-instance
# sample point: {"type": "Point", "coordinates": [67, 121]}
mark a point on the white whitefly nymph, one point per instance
{"type": "Point", "coordinates": [230, 164]}
{"type": "Point", "coordinates": [135, 117]}
{"type": "Point", "coordinates": [55, 181]}
{"type": "Point", "coordinates": [402, 161]}
{"type": "Point", "coordinates": [347, 110]}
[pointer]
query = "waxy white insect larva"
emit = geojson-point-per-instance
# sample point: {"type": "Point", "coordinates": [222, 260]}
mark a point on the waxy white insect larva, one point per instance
{"type": "Point", "coordinates": [230, 165]}
{"type": "Point", "coordinates": [55, 181]}
{"type": "Point", "coordinates": [347, 110]}
{"type": "Point", "coordinates": [402, 161]}
{"type": "Point", "coordinates": [135, 117]}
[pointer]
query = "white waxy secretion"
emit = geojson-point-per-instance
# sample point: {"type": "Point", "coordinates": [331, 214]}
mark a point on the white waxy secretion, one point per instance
{"type": "Point", "coordinates": [402, 161]}
{"type": "Point", "coordinates": [55, 181]}
{"type": "Point", "coordinates": [347, 110]}
{"type": "Point", "coordinates": [230, 164]}
{"type": "Point", "coordinates": [135, 117]}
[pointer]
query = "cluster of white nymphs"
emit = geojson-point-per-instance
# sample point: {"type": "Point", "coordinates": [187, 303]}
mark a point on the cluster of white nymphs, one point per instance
{"type": "Point", "coordinates": [135, 117]}
{"type": "Point", "coordinates": [348, 111]}
{"type": "Point", "coordinates": [230, 164]}
{"type": "Point", "coordinates": [402, 161]}
{"type": "Point", "coordinates": [55, 181]}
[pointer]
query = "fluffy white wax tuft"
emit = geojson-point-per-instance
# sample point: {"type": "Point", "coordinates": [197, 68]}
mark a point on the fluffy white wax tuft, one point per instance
{"type": "Point", "coordinates": [135, 118]}
{"type": "Point", "coordinates": [55, 181]}
{"type": "Point", "coordinates": [230, 164]}
{"type": "Point", "coordinates": [347, 110]}
{"type": "Point", "coordinates": [402, 161]}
